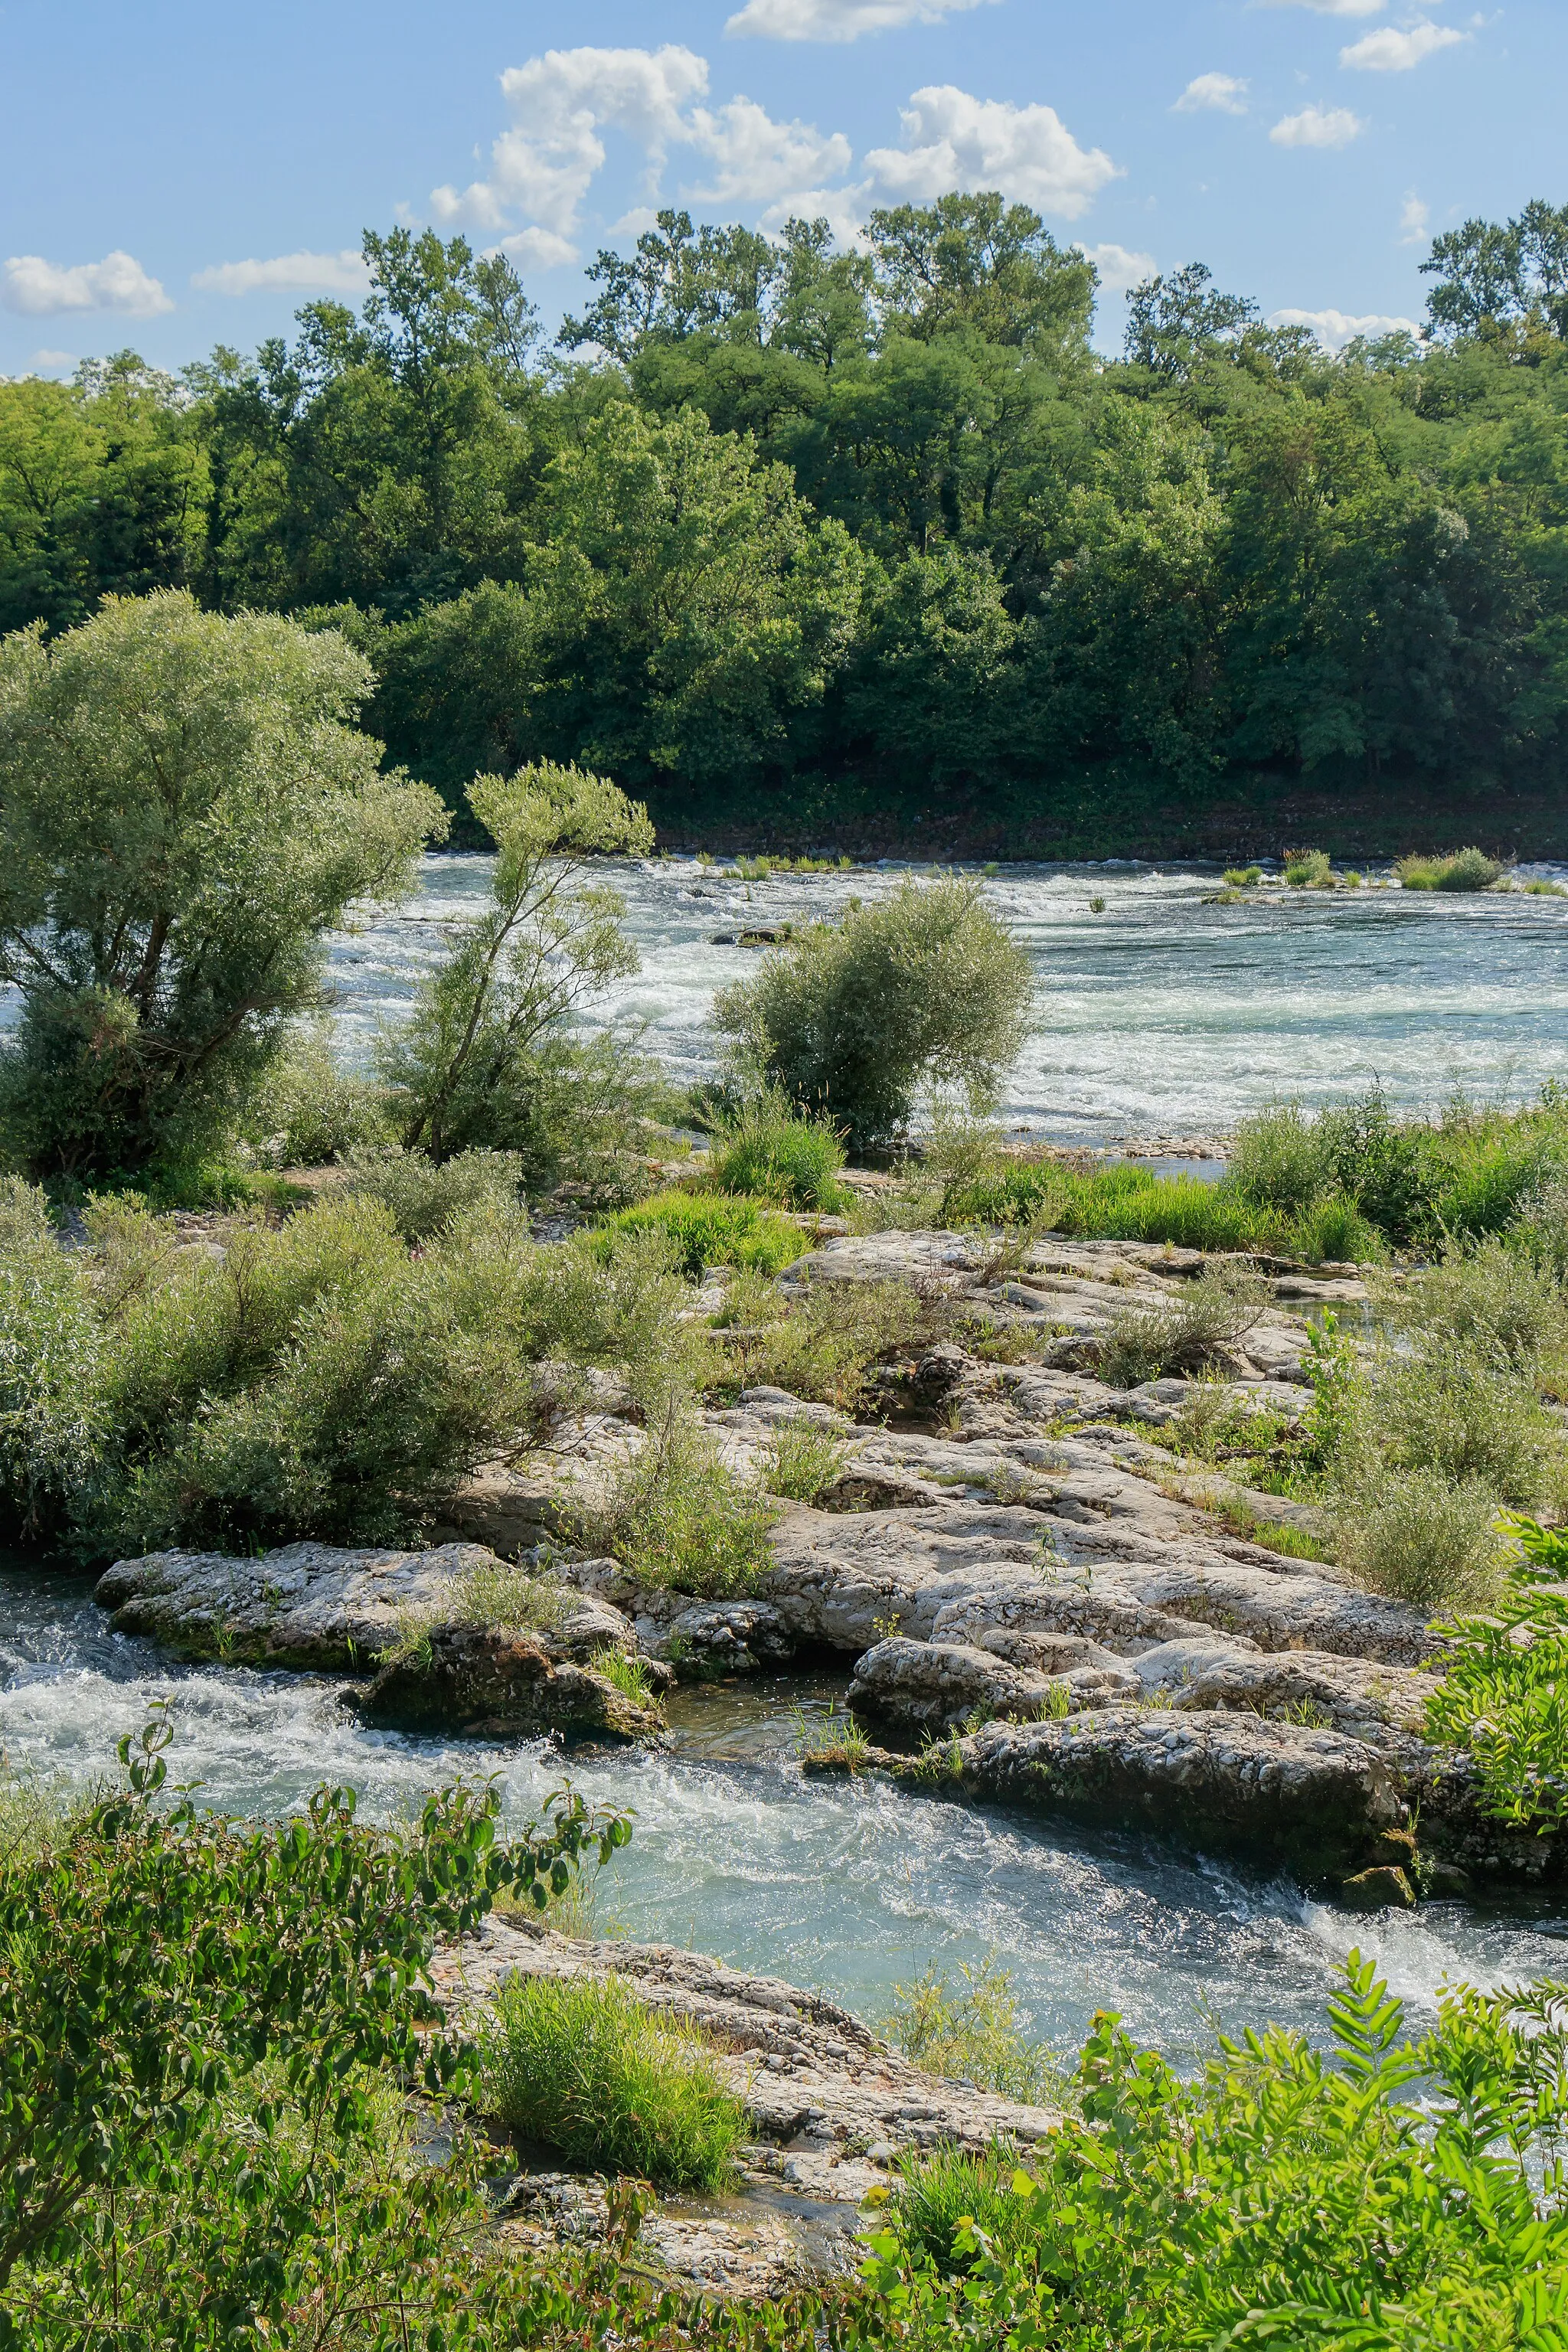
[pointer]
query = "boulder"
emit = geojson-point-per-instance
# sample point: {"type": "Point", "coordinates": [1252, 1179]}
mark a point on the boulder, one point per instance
{"type": "Point", "coordinates": [482, 1683]}
{"type": "Point", "coordinates": [932, 1685]}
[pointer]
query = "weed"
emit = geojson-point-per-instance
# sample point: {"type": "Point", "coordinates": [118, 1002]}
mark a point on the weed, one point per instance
{"type": "Point", "coordinates": [1144, 1342]}
{"type": "Point", "coordinates": [1464, 869]}
{"type": "Point", "coordinates": [584, 2066]}
{"type": "Point", "coordinates": [714, 1229]}
{"type": "Point", "coordinates": [831, 1741]}
{"type": "Point", "coordinates": [1242, 877]}
{"type": "Point", "coordinates": [423, 1195]}
{"type": "Point", "coordinates": [628, 1675]}
{"type": "Point", "coordinates": [801, 1459]}
{"type": "Point", "coordinates": [1422, 1537]}
{"type": "Point", "coordinates": [1308, 869]}
{"type": "Point", "coordinates": [768, 1149]}
{"type": "Point", "coordinates": [968, 2026]}
{"type": "Point", "coordinates": [679, 1518]}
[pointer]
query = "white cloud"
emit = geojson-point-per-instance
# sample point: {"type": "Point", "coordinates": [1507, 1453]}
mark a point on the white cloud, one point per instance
{"type": "Point", "coordinates": [1213, 93]}
{"type": "Point", "coordinates": [287, 273]}
{"type": "Point", "coordinates": [543, 166]}
{"type": "Point", "coordinates": [1388, 51]}
{"type": "Point", "coordinates": [1317, 126]}
{"type": "Point", "coordinates": [761, 161]}
{"type": "Point", "coordinates": [1330, 7]}
{"type": "Point", "coordinates": [1335, 329]}
{"type": "Point", "coordinates": [52, 361]}
{"type": "Point", "coordinates": [1118, 269]}
{"type": "Point", "coordinates": [837, 20]}
{"type": "Point", "coordinates": [37, 286]}
{"type": "Point", "coordinates": [953, 141]}
{"type": "Point", "coordinates": [1414, 217]}
{"type": "Point", "coordinates": [541, 249]}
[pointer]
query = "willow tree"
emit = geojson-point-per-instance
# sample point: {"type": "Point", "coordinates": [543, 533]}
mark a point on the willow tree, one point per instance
{"type": "Point", "coordinates": [186, 808]}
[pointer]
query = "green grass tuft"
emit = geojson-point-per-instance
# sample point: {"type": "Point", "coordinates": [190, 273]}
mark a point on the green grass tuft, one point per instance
{"type": "Point", "coordinates": [714, 1229]}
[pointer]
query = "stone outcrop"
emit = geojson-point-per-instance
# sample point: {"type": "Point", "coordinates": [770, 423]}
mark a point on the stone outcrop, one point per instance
{"type": "Point", "coordinates": [487, 1683]}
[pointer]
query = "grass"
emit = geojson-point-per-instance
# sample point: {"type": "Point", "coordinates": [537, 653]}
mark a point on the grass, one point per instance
{"type": "Point", "coordinates": [714, 1229]}
{"type": "Point", "coordinates": [833, 1742]}
{"type": "Point", "coordinates": [626, 1673]}
{"type": "Point", "coordinates": [585, 2067]}
{"type": "Point", "coordinates": [1462, 869]}
{"type": "Point", "coordinates": [800, 1460]}
{"type": "Point", "coordinates": [947, 2190]}
{"type": "Point", "coordinates": [679, 1518]}
{"type": "Point", "coordinates": [968, 2026]}
{"type": "Point", "coordinates": [769, 1149]}
{"type": "Point", "coordinates": [1179, 1335]}
{"type": "Point", "coordinates": [494, 1594]}
{"type": "Point", "coordinates": [1308, 869]}
{"type": "Point", "coordinates": [1242, 877]}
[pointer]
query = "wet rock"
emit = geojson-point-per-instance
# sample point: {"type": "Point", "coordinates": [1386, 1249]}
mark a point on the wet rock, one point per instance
{"type": "Point", "coordinates": [1386, 1889]}
{"type": "Point", "coordinates": [482, 1683]}
{"type": "Point", "coordinates": [932, 1685]}
{"type": "Point", "coordinates": [725, 1637]}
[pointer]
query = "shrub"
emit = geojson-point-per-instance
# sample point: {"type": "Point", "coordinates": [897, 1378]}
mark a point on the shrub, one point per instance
{"type": "Point", "coordinates": [767, 1147]}
{"type": "Point", "coordinates": [1464, 869]}
{"type": "Point", "coordinates": [1126, 1203]}
{"type": "Point", "coordinates": [1276, 1157]}
{"type": "Point", "coordinates": [1491, 1301]}
{"type": "Point", "coordinates": [188, 810]}
{"type": "Point", "coordinates": [1242, 877]}
{"type": "Point", "coordinates": [1308, 869]}
{"type": "Point", "coordinates": [969, 2027]}
{"type": "Point", "coordinates": [820, 1347]}
{"type": "Point", "coordinates": [307, 1110]}
{"type": "Point", "coordinates": [1504, 1693]}
{"type": "Point", "coordinates": [52, 1374]}
{"type": "Point", "coordinates": [584, 2066]}
{"type": "Point", "coordinates": [710, 1229]}
{"type": "Point", "coordinates": [924, 988]}
{"type": "Point", "coordinates": [1422, 1537]}
{"type": "Point", "coordinates": [1460, 1413]}
{"type": "Point", "coordinates": [422, 1195]}
{"type": "Point", "coordinates": [488, 1027]}
{"type": "Point", "coordinates": [1182, 1334]}
{"type": "Point", "coordinates": [679, 1518]}
{"type": "Point", "coordinates": [800, 1459]}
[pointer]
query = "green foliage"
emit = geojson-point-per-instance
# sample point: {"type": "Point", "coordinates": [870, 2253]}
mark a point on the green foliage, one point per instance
{"type": "Point", "coordinates": [487, 1040]}
{"type": "Point", "coordinates": [188, 808]}
{"type": "Point", "coordinates": [800, 1458]}
{"type": "Point", "coordinates": [1181, 1335]}
{"type": "Point", "coordinates": [677, 1517]}
{"type": "Point", "coordinates": [1381, 2194]}
{"type": "Point", "coordinates": [1504, 1693]}
{"type": "Point", "coordinates": [422, 1195]}
{"type": "Point", "coordinates": [968, 2026]}
{"type": "Point", "coordinates": [821, 1348]}
{"type": "Point", "coordinates": [1126, 1203]}
{"type": "Point", "coordinates": [1308, 869]}
{"type": "Point", "coordinates": [924, 988]}
{"type": "Point", "coordinates": [1276, 1159]}
{"type": "Point", "coordinates": [711, 1229]}
{"type": "Point", "coordinates": [1466, 869]}
{"type": "Point", "coordinates": [154, 1963]}
{"type": "Point", "coordinates": [766, 1148]}
{"type": "Point", "coordinates": [584, 2066]}
{"type": "Point", "coordinates": [1422, 1534]}
{"type": "Point", "coordinates": [628, 1675]}
{"type": "Point", "coordinates": [307, 1111]}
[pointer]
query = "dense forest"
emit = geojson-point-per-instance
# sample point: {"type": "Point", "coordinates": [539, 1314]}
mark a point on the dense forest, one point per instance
{"type": "Point", "coordinates": [873, 547]}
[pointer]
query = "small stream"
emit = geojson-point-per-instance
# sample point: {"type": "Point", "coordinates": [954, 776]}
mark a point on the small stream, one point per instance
{"type": "Point", "coordinates": [846, 1888]}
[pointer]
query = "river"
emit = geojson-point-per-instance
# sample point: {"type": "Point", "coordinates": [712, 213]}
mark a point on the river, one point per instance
{"type": "Point", "coordinates": [1163, 1014]}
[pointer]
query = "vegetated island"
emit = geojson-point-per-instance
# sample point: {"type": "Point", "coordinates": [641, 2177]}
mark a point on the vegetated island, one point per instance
{"type": "Point", "coordinates": [873, 548]}
{"type": "Point", "coordinates": [1231, 1512]}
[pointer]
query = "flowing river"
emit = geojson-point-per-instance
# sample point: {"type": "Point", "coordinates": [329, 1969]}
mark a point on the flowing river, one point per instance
{"type": "Point", "coordinates": [1161, 1016]}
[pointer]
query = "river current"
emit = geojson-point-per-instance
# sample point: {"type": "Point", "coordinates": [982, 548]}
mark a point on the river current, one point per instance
{"type": "Point", "coordinates": [1161, 1015]}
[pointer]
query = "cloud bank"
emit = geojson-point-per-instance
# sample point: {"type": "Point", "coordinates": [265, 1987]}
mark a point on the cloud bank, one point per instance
{"type": "Point", "coordinates": [287, 273]}
{"type": "Point", "coordinates": [837, 20]}
{"type": "Point", "coordinates": [38, 288]}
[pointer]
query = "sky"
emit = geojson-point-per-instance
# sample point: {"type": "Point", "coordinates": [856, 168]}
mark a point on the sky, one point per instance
{"type": "Point", "coordinates": [177, 176]}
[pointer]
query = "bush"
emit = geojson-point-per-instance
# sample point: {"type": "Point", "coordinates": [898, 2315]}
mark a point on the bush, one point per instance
{"type": "Point", "coordinates": [52, 1373]}
{"type": "Point", "coordinates": [582, 2066]}
{"type": "Point", "coordinates": [1464, 869]}
{"type": "Point", "coordinates": [1459, 1412]}
{"type": "Point", "coordinates": [307, 1111]}
{"type": "Point", "coordinates": [924, 990]}
{"type": "Point", "coordinates": [709, 1229]}
{"type": "Point", "coordinates": [1181, 1335]}
{"type": "Point", "coordinates": [188, 810]}
{"type": "Point", "coordinates": [679, 1518]}
{"type": "Point", "coordinates": [1421, 1536]}
{"type": "Point", "coordinates": [423, 1195]}
{"type": "Point", "coordinates": [1276, 1157]}
{"type": "Point", "coordinates": [821, 1347]}
{"type": "Point", "coordinates": [767, 1147]}
{"type": "Point", "coordinates": [1504, 1693]}
{"type": "Point", "coordinates": [1308, 869]}
{"type": "Point", "coordinates": [969, 2028]}
{"type": "Point", "coordinates": [800, 1458]}
{"type": "Point", "coordinates": [1492, 1301]}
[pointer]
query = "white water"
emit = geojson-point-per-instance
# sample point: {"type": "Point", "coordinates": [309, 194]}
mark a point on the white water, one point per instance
{"type": "Point", "coordinates": [1161, 1016]}
{"type": "Point", "coordinates": [848, 1888]}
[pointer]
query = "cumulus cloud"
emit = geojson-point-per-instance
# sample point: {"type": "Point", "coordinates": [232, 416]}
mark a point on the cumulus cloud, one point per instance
{"type": "Point", "coordinates": [117, 282]}
{"type": "Point", "coordinates": [52, 362]}
{"type": "Point", "coordinates": [541, 249]}
{"type": "Point", "coordinates": [287, 273]}
{"type": "Point", "coordinates": [1213, 93]}
{"type": "Point", "coordinates": [1318, 126]}
{"type": "Point", "coordinates": [1330, 7]}
{"type": "Point", "coordinates": [1335, 329]}
{"type": "Point", "coordinates": [544, 164]}
{"type": "Point", "coordinates": [837, 20]}
{"type": "Point", "coordinates": [1388, 51]}
{"type": "Point", "coordinates": [1414, 218]}
{"type": "Point", "coordinates": [953, 141]}
{"type": "Point", "coordinates": [758, 161]}
{"type": "Point", "coordinates": [1119, 268]}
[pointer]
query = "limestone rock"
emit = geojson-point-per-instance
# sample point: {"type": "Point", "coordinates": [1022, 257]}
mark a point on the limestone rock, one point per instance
{"type": "Point", "coordinates": [493, 1685]}
{"type": "Point", "coordinates": [935, 1685]}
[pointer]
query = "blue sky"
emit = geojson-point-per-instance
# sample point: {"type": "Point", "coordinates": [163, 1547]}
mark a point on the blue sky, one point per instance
{"type": "Point", "coordinates": [176, 175]}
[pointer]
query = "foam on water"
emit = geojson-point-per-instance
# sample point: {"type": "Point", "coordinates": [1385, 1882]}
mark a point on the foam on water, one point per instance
{"type": "Point", "coordinates": [851, 1888]}
{"type": "Point", "coordinates": [1163, 1016]}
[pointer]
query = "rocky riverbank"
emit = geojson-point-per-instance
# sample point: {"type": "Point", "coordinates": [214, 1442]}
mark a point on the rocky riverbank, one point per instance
{"type": "Point", "coordinates": [1057, 1607]}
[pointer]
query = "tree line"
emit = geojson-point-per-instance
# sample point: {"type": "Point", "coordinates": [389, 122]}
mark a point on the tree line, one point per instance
{"type": "Point", "coordinates": [773, 530]}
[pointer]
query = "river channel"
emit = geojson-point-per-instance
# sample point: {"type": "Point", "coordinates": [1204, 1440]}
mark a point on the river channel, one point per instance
{"type": "Point", "coordinates": [1161, 1014]}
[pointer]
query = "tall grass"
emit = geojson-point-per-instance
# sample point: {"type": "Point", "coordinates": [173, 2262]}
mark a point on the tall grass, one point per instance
{"type": "Point", "coordinates": [714, 1229]}
{"type": "Point", "coordinates": [679, 1518]}
{"type": "Point", "coordinates": [768, 1149]}
{"type": "Point", "coordinates": [584, 2066]}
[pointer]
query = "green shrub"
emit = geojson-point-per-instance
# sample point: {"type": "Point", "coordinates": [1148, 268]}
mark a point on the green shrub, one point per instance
{"type": "Point", "coordinates": [52, 1374]}
{"type": "Point", "coordinates": [188, 810]}
{"type": "Point", "coordinates": [422, 1195]}
{"type": "Point", "coordinates": [766, 1148]}
{"type": "Point", "coordinates": [1491, 1301]}
{"type": "Point", "coordinates": [1459, 1412]}
{"type": "Point", "coordinates": [711, 1229]}
{"type": "Point", "coordinates": [1421, 1536]}
{"type": "Point", "coordinates": [1504, 1693]}
{"type": "Point", "coordinates": [968, 2027]}
{"type": "Point", "coordinates": [1242, 877]}
{"type": "Point", "coordinates": [946, 2195]}
{"type": "Point", "coordinates": [1464, 869]}
{"type": "Point", "coordinates": [679, 1518]}
{"type": "Point", "coordinates": [820, 1347]}
{"type": "Point", "coordinates": [1308, 869]}
{"type": "Point", "coordinates": [307, 1110]}
{"type": "Point", "coordinates": [1276, 1159]}
{"type": "Point", "coordinates": [1182, 1334]}
{"type": "Point", "coordinates": [1334, 1228]}
{"type": "Point", "coordinates": [923, 989]}
{"type": "Point", "coordinates": [800, 1458]}
{"type": "Point", "coordinates": [584, 2066]}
